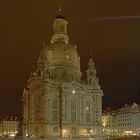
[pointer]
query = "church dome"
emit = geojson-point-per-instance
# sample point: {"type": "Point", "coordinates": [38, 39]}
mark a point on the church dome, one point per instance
{"type": "Point", "coordinates": [62, 56]}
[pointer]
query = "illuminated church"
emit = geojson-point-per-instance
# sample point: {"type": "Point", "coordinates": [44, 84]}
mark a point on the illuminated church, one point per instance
{"type": "Point", "coordinates": [57, 103]}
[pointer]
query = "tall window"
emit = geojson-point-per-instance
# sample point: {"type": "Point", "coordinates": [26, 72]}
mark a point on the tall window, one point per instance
{"type": "Point", "coordinates": [71, 76]}
{"type": "Point", "coordinates": [88, 111]}
{"type": "Point", "coordinates": [37, 108]}
{"type": "Point", "coordinates": [55, 109]}
{"type": "Point", "coordinates": [39, 73]}
{"type": "Point", "coordinates": [73, 110]}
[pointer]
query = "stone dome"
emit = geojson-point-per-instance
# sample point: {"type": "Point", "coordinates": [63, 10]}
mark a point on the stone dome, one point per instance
{"type": "Point", "coordinates": [60, 57]}
{"type": "Point", "coordinates": [61, 54]}
{"type": "Point", "coordinates": [63, 61]}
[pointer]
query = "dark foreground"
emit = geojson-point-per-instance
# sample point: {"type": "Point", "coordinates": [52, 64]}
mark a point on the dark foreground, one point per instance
{"type": "Point", "coordinates": [124, 138]}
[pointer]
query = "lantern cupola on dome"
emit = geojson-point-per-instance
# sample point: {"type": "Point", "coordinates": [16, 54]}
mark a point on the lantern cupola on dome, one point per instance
{"type": "Point", "coordinates": [60, 14]}
{"type": "Point", "coordinates": [60, 28]}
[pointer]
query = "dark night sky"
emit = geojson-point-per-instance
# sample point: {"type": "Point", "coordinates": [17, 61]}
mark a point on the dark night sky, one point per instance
{"type": "Point", "coordinates": [109, 29]}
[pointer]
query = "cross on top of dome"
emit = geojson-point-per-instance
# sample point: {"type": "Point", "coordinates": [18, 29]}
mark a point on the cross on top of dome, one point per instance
{"type": "Point", "coordinates": [60, 14]}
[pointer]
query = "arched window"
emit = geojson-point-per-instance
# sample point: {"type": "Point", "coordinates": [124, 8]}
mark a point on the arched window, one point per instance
{"type": "Point", "coordinates": [37, 108]}
{"type": "Point", "coordinates": [55, 129]}
{"type": "Point", "coordinates": [32, 107]}
{"type": "Point", "coordinates": [48, 74]}
{"type": "Point", "coordinates": [73, 110]}
{"type": "Point", "coordinates": [88, 109]}
{"type": "Point", "coordinates": [55, 109]}
{"type": "Point", "coordinates": [71, 76]}
{"type": "Point", "coordinates": [90, 81]}
{"type": "Point", "coordinates": [39, 73]}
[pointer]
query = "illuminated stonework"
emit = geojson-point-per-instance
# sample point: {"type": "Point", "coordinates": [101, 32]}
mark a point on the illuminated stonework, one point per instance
{"type": "Point", "coordinates": [56, 102]}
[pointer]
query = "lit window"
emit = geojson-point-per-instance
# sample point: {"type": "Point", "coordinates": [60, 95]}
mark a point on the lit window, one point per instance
{"type": "Point", "coordinates": [73, 91]}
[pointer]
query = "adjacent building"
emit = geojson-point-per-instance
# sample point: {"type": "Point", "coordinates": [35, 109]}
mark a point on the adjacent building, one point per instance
{"type": "Point", "coordinates": [57, 103]}
{"type": "Point", "coordinates": [9, 126]}
{"type": "Point", "coordinates": [129, 119]}
{"type": "Point", "coordinates": [123, 121]}
{"type": "Point", "coordinates": [109, 122]}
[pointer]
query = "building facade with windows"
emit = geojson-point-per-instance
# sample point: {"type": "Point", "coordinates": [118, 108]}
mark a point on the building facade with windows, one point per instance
{"type": "Point", "coordinates": [10, 126]}
{"type": "Point", "coordinates": [57, 103]}
{"type": "Point", "coordinates": [109, 122]}
{"type": "Point", "coordinates": [129, 119]}
{"type": "Point", "coordinates": [124, 121]}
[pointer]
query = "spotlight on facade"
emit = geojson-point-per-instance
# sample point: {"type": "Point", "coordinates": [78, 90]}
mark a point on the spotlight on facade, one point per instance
{"type": "Point", "coordinates": [64, 133]}
{"type": "Point", "coordinates": [91, 131]}
{"type": "Point", "coordinates": [11, 135]}
{"type": "Point", "coordinates": [27, 135]}
{"type": "Point", "coordinates": [87, 108]}
{"type": "Point", "coordinates": [73, 91]}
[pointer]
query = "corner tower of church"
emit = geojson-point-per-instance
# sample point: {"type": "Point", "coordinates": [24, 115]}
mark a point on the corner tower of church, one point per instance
{"type": "Point", "coordinates": [56, 102]}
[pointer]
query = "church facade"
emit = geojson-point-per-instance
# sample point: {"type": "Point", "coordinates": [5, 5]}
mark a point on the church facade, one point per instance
{"type": "Point", "coordinates": [57, 103]}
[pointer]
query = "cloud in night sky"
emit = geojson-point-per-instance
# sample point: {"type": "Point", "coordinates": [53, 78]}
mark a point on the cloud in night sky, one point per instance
{"type": "Point", "coordinates": [114, 18]}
